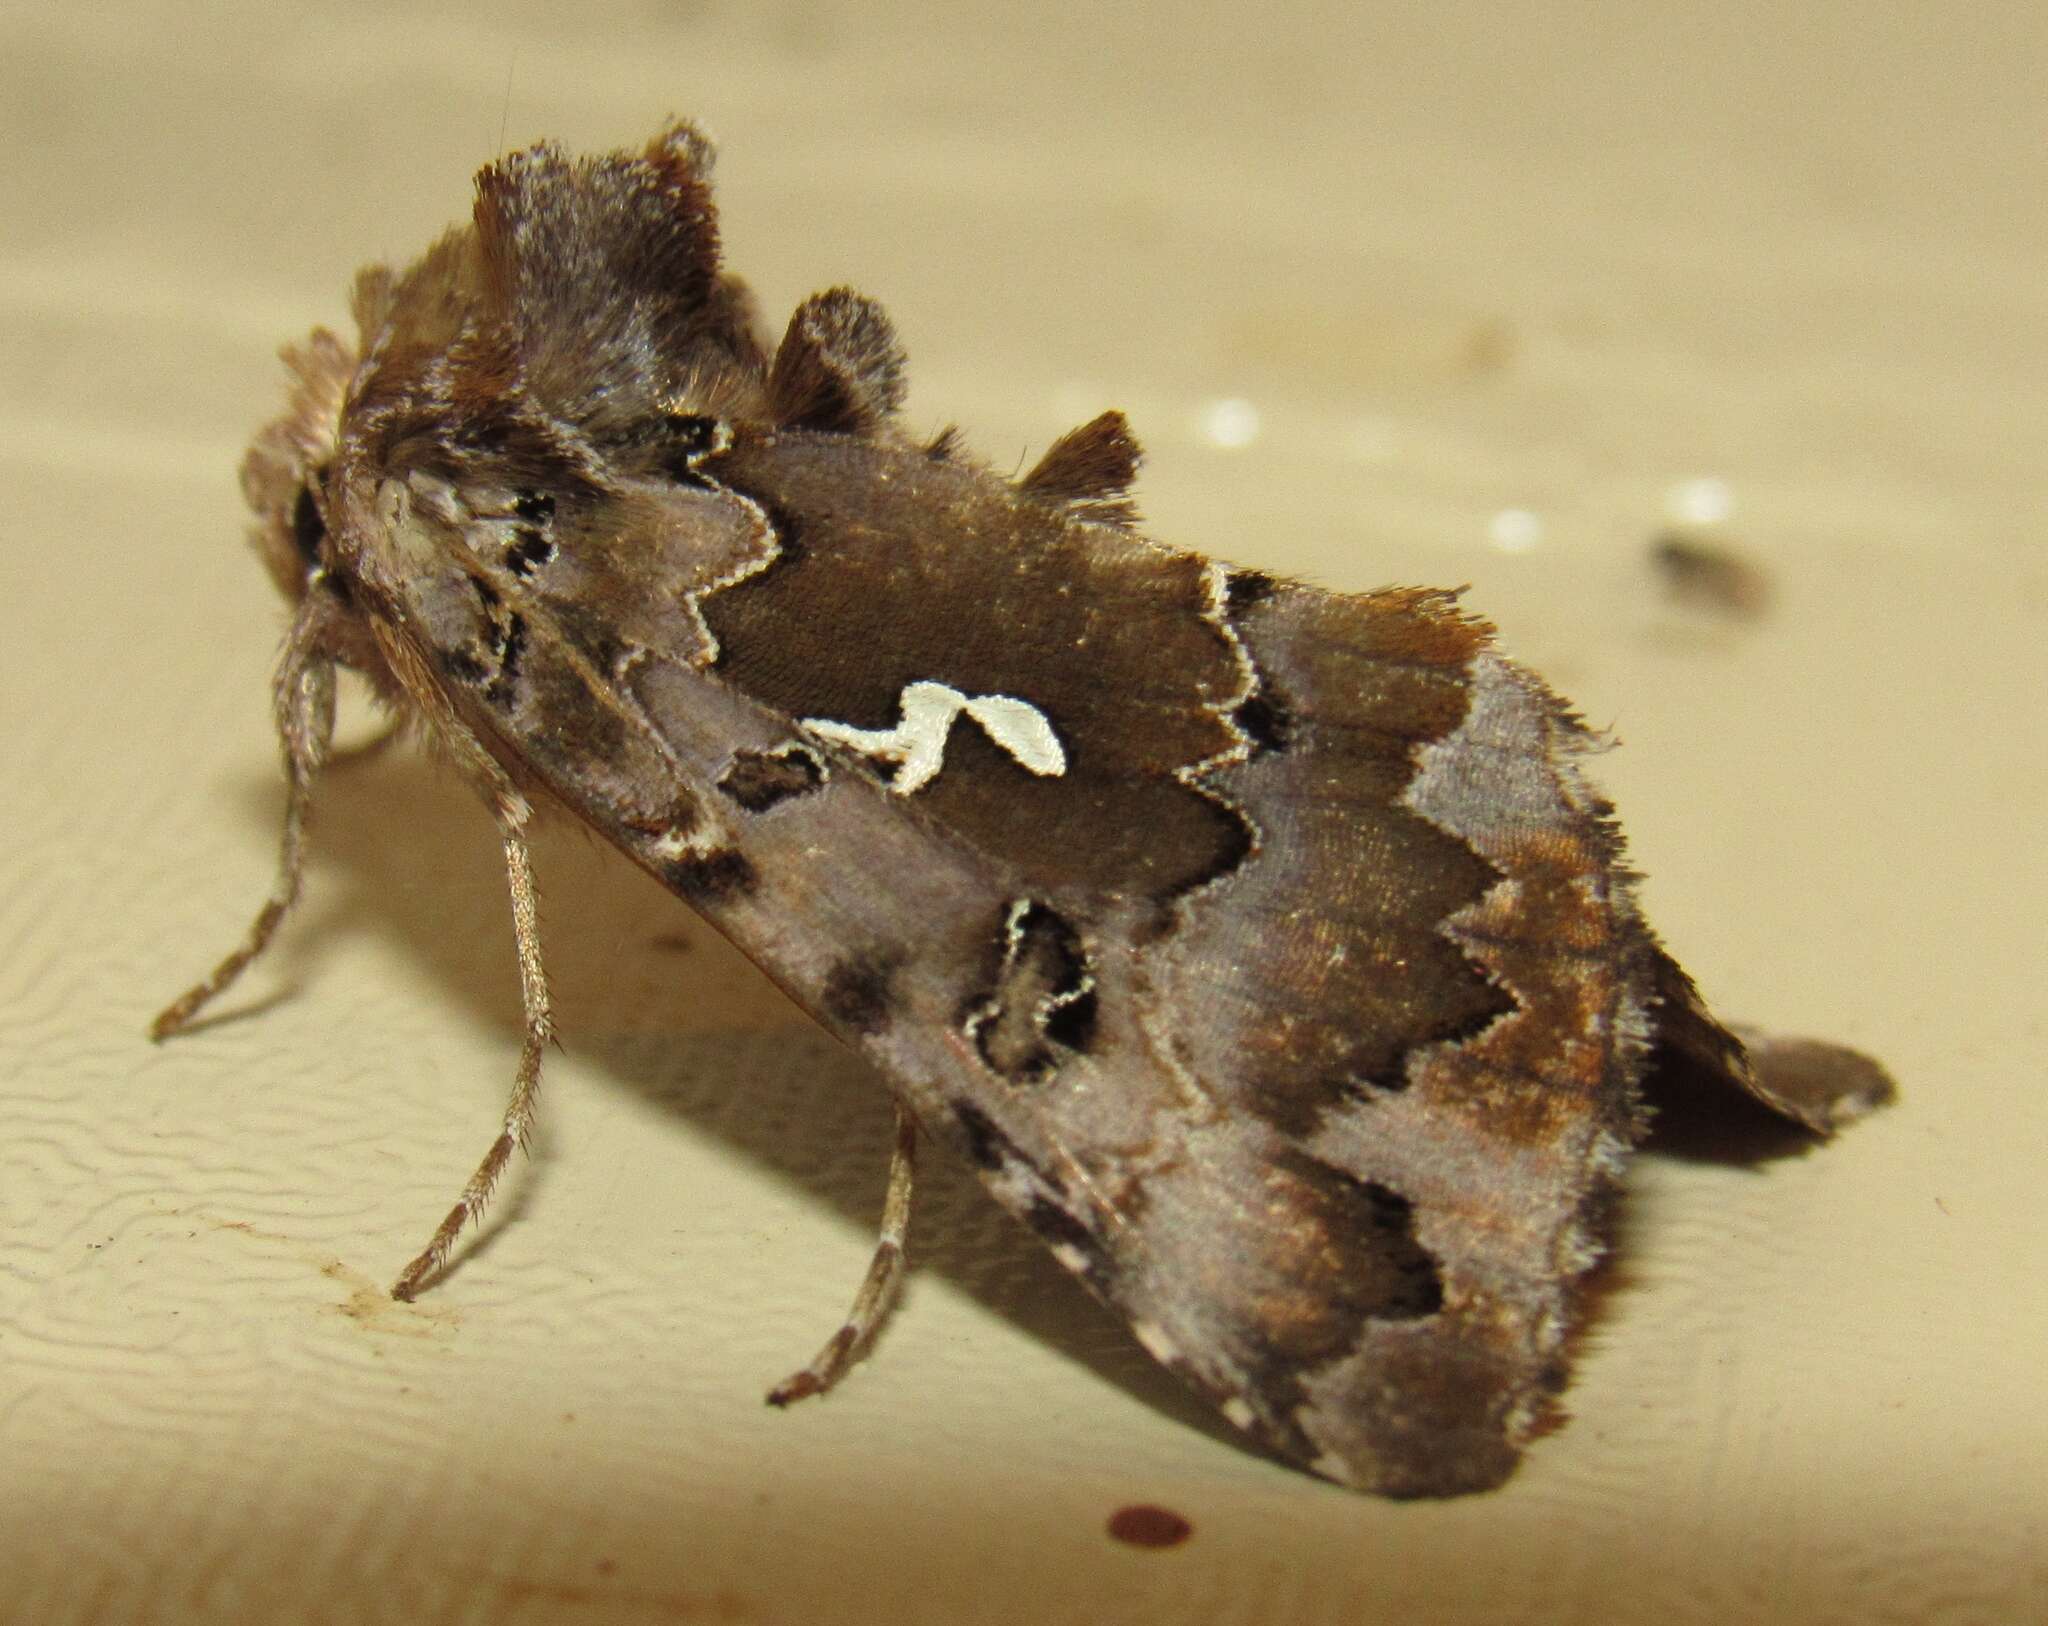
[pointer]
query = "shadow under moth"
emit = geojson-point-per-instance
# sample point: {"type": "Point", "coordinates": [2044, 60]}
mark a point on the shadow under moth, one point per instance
{"type": "Point", "coordinates": [1261, 946]}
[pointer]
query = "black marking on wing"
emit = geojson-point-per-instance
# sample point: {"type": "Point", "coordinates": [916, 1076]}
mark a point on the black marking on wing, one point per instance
{"type": "Point", "coordinates": [987, 1145]}
{"type": "Point", "coordinates": [859, 994]}
{"type": "Point", "coordinates": [511, 648]}
{"type": "Point", "coordinates": [1058, 1227]}
{"type": "Point", "coordinates": [1041, 1002]}
{"type": "Point", "coordinates": [464, 667]}
{"type": "Point", "coordinates": [1266, 720]}
{"type": "Point", "coordinates": [720, 876]}
{"type": "Point", "coordinates": [686, 439]}
{"type": "Point", "coordinates": [759, 780]}
{"type": "Point", "coordinates": [528, 551]}
{"type": "Point", "coordinates": [1246, 588]}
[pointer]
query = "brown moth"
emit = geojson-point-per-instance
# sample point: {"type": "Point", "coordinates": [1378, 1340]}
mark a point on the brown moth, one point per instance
{"type": "Point", "coordinates": [1262, 946]}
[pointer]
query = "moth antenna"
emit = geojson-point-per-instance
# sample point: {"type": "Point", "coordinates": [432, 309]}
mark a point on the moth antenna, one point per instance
{"type": "Point", "coordinates": [838, 366]}
{"type": "Point", "coordinates": [877, 1290]}
{"type": "Point", "coordinates": [1090, 469]}
{"type": "Point", "coordinates": [302, 696]}
{"type": "Point", "coordinates": [511, 814]}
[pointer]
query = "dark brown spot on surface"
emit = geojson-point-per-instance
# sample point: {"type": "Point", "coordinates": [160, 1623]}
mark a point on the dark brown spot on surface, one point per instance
{"type": "Point", "coordinates": [536, 507]}
{"type": "Point", "coordinates": [759, 780]}
{"type": "Point", "coordinates": [592, 629]}
{"type": "Point", "coordinates": [859, 994]}
{"type": "Point", "coordinates": [584, 729]}
{"type": "Point", "coordinates": [721, 876]}
{"type": "Point", "coordinates": [1144, 1525]}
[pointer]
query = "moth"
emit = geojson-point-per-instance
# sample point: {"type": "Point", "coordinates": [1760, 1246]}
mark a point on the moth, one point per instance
{"type": "Point", "coordinates": [1263, 947]}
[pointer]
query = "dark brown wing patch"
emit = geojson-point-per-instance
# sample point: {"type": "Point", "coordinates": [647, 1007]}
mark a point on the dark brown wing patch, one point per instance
{"type": "Point", "coordinates": [1116, 649]}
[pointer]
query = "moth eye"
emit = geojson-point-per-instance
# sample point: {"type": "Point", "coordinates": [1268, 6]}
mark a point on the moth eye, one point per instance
{"type": "Point", "coordinates": [308, 528]}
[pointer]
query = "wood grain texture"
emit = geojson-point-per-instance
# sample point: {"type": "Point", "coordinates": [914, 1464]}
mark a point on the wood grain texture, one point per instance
{"type": "Point", "coordinates": [1456, 268]}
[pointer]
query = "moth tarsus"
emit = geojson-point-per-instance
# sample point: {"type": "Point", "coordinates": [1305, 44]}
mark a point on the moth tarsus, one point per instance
{"type": "Point", "coordinates": [1262, 947]}
{"type": "Point", "coordinates": [878, 1287]}
{"type": "Point", "coordinates": [302, 696]}
{"type": "Point", "coordinates": [539, 1029]}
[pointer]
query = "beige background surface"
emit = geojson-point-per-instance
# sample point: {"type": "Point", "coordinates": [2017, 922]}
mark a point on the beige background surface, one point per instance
{"type": "Point", "coordinates": [1461, 261]}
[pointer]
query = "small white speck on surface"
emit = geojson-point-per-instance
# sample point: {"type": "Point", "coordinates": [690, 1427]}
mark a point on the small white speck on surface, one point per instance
{"type": "Point", "coordinates": [1514, 530]}
{"type": "Point", "coordinates": [1704, 501]}
{"type": "Point", "coordinates": [1230, 422]}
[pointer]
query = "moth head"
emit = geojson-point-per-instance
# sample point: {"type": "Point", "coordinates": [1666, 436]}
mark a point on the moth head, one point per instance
{"type": "Point", "coordinates": [284, 476]}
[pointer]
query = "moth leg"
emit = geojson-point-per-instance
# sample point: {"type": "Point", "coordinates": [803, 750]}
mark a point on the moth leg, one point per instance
{"type": "Point", "coordinates": [302, 696]}
{"type": "Point", "coordinates": [877, 1291]}
{"type": "Point", "coordinates": [519, 1111]}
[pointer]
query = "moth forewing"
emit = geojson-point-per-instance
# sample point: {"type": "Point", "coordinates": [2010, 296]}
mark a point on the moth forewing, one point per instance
{"type": "Point", "coordinates": [1262, 947]}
